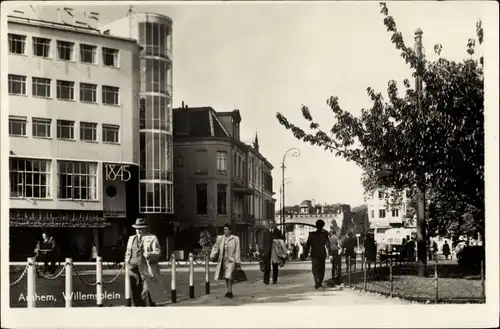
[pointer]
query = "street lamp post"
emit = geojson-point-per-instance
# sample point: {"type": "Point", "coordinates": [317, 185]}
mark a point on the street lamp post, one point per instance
{"type": "Point", "coordinates": [295, 152]}
{"type": "Point", "coordinates": [282, 221]}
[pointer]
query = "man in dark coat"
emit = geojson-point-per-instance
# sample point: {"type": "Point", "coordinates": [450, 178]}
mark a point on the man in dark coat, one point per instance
{"type": "Point", "coordinates": [349, 246]}
{"type": "Point", "coordinates": [446, 249]}
{"type": "Point", "coordinates": [268, 237]}
{"type": "Point", "coordinates": [410, 249]}
{"type": "Point", "coordinates": [319, 244]}
{"type": "Point", "coordinates": [370, 250]}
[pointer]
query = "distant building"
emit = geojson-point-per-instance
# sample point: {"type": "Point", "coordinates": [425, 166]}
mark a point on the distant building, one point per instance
{"type": "Point", "coordinates": [308, 213]}
{"type": "Point", "coordinates": [219, 179]}
{"type": "Point", "coordinates": [380, 215]}
{"type": "Point", "coordinates": [74, 141]}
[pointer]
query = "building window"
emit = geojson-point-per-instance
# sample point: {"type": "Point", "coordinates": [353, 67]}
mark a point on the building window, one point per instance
{"type": "Point", "coordinates": [395, 212]}
{"type": "Point", "coordinates": [88, 131]}
{"type": "Point", "coordinates": [65, 90]}
{"type": "Point", "coordinates": [110, 133]}
{"type": "Point", "coordinates": [155, 113]}
{"type": "Point", "coordinates": [17, 126]}
{"type": "Point", "coordinates": [17, 44]}
{"type": "Point", "coordinates": [235, 168]}
{"type": "Point", "coordinates": [179, 161]}
{"type": "Point", "coordinates": [65, 50]}
{"type": "Point", "coordinates": [372, 214]}
{"type": "Point", "coordinates": [29, 178]}
{"type": "Point", "coordinates": [222, 162]}
{"type": "Point", "coordinates": [201, 161]}
{"type": "Point", "coordinates": [381, 195]}
{"type": "Point", "coordinates": [41, 47]}
{"type": "Point", "coordinates": [156, 75]}
{"type": "Point", "coordinates": [156, 198]}
{"type": "Point", "coordinates": [222, 199]}
{"type": "Point", "coordinates": [110, 95]}
{"type": "Point", "coordinates": [17, 84]}
{"type": "Point", "coordinates": [88, 54]}
{"type": "Point", "coordinates": [41, 128]}
{"type": "Point", "coordinates": [88, 93]}
{"type": "Point", "coordinates": [77, 180]}
{"type": "Point", "coordinates": [65, 129]}
{"type": "Point", "coordinates": [201, 199]}
{"type": "Point", "coordinates": [381, 213]}
{"type": "Point", "coordinates": [110, 57]}
{"type": "Point", "coordinates": [40, 87]}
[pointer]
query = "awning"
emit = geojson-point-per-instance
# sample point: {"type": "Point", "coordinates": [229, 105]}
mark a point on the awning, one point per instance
{"type": "Point", "coordinates": [55, 219]}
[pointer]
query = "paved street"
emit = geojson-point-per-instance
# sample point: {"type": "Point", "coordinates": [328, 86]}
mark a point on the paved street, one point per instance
{"type": "Point", "coordinates": [295, 287]}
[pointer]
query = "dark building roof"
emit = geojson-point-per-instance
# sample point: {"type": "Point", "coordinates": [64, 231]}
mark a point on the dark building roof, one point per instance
{"type": "Point", "coordinates": [197, 122]}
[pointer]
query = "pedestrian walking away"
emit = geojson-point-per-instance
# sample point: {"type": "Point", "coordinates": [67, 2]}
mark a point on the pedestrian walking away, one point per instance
{"type": "Point", "coordinates": [142, 255]}
{"type": "Point", "coordinates": [446, 249]}
{"type": "Point", "coordinates": [370, 250]}
{"type": "Point", "coordinates": [268, 246]}
{"type": "Point", "coordinates": [318, 243]}
{"type": "Point", "coordinates": [336, 261]}
{"type": "Point", "coordinates": [349, 246]}
{"type": "Point", "coordinates": [227, 252]}
{"type": "Point", "coordinates": [410, 249]}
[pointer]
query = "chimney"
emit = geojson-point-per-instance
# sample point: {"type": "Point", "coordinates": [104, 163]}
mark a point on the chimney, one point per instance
{"type": "Point", "coordinates": [313, 203]}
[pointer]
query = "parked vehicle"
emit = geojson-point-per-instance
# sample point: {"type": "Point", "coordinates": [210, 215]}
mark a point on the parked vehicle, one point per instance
{"type": "Point", "coordinates": [391, 246]}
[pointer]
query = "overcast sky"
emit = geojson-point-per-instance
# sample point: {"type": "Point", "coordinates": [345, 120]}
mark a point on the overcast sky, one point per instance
{"type": "Point", "coordinates": [267, 57]}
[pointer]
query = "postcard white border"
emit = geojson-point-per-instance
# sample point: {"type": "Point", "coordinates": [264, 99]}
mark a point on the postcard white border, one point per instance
{"type": "Point", "coordinates": [412, 316]}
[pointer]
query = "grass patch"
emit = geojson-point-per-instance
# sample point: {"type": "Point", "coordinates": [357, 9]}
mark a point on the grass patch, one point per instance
{"type": "Point", "coordinates": [453, 285]}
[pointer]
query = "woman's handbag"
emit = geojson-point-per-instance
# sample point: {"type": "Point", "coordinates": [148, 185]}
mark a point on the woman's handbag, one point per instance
{"type": "Point", "coordinates": [239, 275]}
{"type": "Point", "coordinates": [262, 265]}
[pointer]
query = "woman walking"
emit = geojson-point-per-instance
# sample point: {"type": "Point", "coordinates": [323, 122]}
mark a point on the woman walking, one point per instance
{"type": "Point", "coordinates": [227, 252]}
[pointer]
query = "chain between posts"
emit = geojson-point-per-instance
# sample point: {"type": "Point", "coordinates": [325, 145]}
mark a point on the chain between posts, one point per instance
{"type": "Point", "coordinates": [83, 280]}
{"type": "Point", "coordinates": [53, 277]}
{"type": "Point", "coordinates": [21, 276]}
{"type": "Point", "coordinates": [116, 276]}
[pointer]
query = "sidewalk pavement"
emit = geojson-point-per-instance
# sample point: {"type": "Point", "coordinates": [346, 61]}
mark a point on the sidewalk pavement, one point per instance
{"type": "Point", "coordinates": [294, 290]}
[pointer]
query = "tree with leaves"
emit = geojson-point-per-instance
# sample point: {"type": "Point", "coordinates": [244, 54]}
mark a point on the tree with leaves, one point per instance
{"type": "Point", "coordinates": [334, 226]}
{"type": "Point", "coordinates": [432, 138]}
{"type": "Point", "coordinates": [360, 220]}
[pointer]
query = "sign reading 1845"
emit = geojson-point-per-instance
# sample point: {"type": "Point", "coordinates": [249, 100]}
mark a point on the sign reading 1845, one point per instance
{"type": "Point", "coordinates": [117, 172]}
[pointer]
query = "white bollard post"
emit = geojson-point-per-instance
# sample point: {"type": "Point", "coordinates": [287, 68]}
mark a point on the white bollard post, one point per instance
{"type": "Point", "coordinates": [69, 283]}
{"type": "Point", "coordinates": [191, 276]}
{"type": "Point", "coordinates": [207, 274]}
{"type": "Point", "coordinates": [173, 292]}
{"type": "Point", "coordinates": [98, 273]}
{"type": "Point", "coordinates": [31, 283]}
{"type": "Point", "coordinates": [128, 300]}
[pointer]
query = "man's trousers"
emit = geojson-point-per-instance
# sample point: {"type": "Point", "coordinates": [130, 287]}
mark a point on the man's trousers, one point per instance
{"type": "Point", "coordinates": [336, 269]}
{"type": "Point", "coordinates": [318, 270]}
{"type": "Point", "coordinates": [267, 271]}
{"type": "Point", "coordinates": [139, 289]}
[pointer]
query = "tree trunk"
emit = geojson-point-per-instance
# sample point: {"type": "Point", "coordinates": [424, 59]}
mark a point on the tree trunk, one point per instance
{"type": "Point", "coordinates": [421, 234]}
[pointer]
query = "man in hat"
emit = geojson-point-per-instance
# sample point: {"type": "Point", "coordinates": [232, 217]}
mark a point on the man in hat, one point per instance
{"type": "Point", "coordinates": [141, 256]}
{"type": "Point", "coordinates": [319, 244]}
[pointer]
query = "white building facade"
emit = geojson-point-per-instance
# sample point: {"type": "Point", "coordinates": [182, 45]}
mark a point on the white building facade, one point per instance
{"type": "Point", "coordinates": [380, 214]}
{"type": "Point", "coordinates": [73, 127]}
